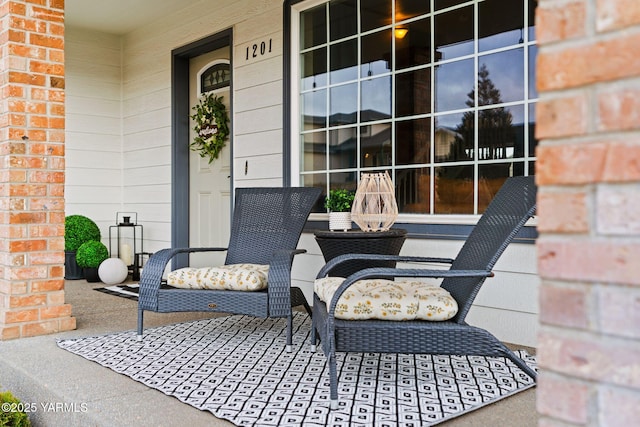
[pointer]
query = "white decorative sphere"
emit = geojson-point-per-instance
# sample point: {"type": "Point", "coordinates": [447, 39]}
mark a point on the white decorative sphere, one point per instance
{"type": "Point", "coordinates": [113, 271]}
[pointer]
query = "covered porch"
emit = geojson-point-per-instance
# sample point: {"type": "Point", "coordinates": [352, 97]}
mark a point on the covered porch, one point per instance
{"type": "Point", "coordinates": [105, 147]}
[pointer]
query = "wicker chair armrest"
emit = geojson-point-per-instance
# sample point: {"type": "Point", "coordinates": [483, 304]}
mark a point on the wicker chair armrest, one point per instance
{"type": "Point", "coordinates": [279, 286]}
{"type": "Point", "coordinates": [378, 257]}
{"type": "Point", "coordinates": [391, 273]}
{"type": "Point", "coordinates": [151, 277]}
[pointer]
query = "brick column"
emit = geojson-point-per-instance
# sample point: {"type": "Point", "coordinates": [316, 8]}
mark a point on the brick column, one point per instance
{"type": "Point", "coordinates": [588, 170]}
{"type": "Point", "coordinates": [32, 172]}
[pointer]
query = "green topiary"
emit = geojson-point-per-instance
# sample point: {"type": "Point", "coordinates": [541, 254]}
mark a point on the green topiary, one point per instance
{"type": "Point", "coordinates": [339, 200]}
{"type": "Point", "coordinates": [15, 415]}
{"type": "Point", "coordinates": [90, 254]}
{"type": "Point", "coordinates": [77, 230]}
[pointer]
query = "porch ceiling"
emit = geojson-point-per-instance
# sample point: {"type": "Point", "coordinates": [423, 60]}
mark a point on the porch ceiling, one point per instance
{"type": "Point", "coordinates": [123, 16]}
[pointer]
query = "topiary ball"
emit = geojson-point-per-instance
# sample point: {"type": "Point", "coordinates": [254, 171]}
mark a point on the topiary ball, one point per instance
{"type": "Point", "coordinates": [77, 230]}
{"type": "Point", "coordinates": [90, 254]}
{"type": "Point", "coordinates": [113, 271]}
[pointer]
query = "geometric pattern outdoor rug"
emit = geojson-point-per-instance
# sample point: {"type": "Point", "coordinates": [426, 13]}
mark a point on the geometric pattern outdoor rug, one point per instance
{"type": "Point", "coordinates": [129, 291]}
{"type": "Point", "coordinates": [237, 368]}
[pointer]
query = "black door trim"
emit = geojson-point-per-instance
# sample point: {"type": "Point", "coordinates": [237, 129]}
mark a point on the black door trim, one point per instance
{"type": "Point", "coordinates": [180, 125]}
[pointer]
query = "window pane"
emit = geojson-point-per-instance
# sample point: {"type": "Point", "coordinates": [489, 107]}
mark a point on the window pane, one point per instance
{"type": "Point", "coordinates": [413, 93]}
{"type": "Point", "coordinates": [314, 69]}
{"type": "Point", "coordinates": [498, 136]}
{"type": "Point", "coordinates": [454, 190]}
{"type": "Point", "coordinates": [501, 77]}
{"type": "Point", "coordinates": [413, 191]}
{"type": "Point", "coordinates": [318, 180]}
{"type": "Point", "coordinates": [454, 137]}
{"type": "Point", "coordinates": [375, 14]}
{"type": "Point", "coordinates": [343, 102]}
{"type": "Point", "coordinates": [454, 33]}
{"type": "Point", "coordinates": [375, 145]}
{"type": "Point", "coordinates": [490, 179]}
{"type": "Point", "coordinates": [415, 47]}
{"type": "Point", "coordinates": [406, 9]}
{"type": "Point", "coordinates": [454, 84]}
{"type": "Point", "coordinates": [344, 61]}
{"type": "Point", "coordinates": [376, 54]}
{"type": "Point", "coordinates": [532, 15]}
{"type": "Point", "coordinates": [413, 141]}
{"type": "Point", "coordinates": [533, 56]}
{"type": "Point", "coordinates": [343, 148]}
{"type": "Point", "coordinates": [314, 109]}
{"type": "Point", "coordinates": [344, 19]}
{"type": "Point", "coordinates": [443, 4]}
{"type": "Point", "coordinates": [376, 99]}
{"type": "Point", "coordinates": [533, 141]}
{"type": "Point", "coordinates": [313, 27]}
{"type": "Point", "coordinates": [342, 180]}
{"type": "Point", "coordinates": [315, 151]}
{"type": "Point", "coordinates": [500, 23]}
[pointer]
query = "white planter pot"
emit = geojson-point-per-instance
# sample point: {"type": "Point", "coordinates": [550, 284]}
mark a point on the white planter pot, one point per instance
{"type": "Point", "coordinates": [340, 221]}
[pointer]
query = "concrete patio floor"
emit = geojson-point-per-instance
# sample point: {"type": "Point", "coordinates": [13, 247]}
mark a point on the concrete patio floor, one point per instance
{"type": "Point", "coordinates": [68, 390]}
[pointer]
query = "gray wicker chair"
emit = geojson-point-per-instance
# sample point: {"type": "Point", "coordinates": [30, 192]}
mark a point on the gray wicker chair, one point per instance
{"type": "Point", "coordinates": [266, 227]}
{"type": "Point", "coordinates": [513, 205]}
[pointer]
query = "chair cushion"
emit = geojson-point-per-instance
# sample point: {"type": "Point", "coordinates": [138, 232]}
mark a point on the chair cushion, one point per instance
{"type": "Point", "coordinates": [388, 300]}
{"type": "Point", "coordinates": [237, 277]}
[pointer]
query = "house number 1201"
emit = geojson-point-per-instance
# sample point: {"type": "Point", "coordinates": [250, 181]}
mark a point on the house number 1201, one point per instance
{"type": "Point", "coordinates": [260, 49]}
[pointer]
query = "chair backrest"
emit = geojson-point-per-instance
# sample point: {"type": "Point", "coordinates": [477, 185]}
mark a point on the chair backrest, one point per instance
{"type": "Point", "coordinates": [509, 210]}
{"type": "Point", "coordinates": [266, 220]}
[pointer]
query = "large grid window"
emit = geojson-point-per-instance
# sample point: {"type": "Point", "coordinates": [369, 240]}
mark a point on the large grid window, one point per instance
{"type": "Point", "coordinates": [441, 94]}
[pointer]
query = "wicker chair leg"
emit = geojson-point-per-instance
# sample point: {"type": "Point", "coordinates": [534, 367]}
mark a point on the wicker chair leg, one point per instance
{"type": "Point", "coordinates": [289, 332]}
{"type": "Point", "coordinates": [333, 378]}
{"type": "Point", "coordinates": [314, 339]}
{"type": "Point", "coordinates": [140, 323]}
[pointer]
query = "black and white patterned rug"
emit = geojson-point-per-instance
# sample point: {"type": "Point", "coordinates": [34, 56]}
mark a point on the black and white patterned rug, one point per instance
{"type": "Point", "coordinates": [237, 368]}
{"type": "Point", "coordinates": [129, 291]}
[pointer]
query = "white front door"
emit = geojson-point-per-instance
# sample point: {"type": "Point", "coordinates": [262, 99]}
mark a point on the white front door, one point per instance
{"type": "Point", "coordinates": [209, 183]}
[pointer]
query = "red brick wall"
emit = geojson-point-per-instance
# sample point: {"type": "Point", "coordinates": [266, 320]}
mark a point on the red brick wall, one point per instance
{"type": "Point", "coordinates": [588, 170]}
{"type": "Point", "coordinates": [32, 169]}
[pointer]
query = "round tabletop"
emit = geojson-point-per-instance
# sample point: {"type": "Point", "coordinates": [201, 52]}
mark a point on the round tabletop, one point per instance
{"type": "Point", "coordinates": [359, 234]}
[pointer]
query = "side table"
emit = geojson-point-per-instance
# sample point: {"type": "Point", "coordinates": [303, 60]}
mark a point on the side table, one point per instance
{"type": "Point", "coordinates": [334, 243]}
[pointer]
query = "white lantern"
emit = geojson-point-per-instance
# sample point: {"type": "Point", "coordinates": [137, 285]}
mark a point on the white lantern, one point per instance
{"type": "Point", "coordinates": [374, 207]}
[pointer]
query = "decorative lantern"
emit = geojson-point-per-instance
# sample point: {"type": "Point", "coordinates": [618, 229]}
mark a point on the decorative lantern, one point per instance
{"type": "Point", "coordinates": [374, 207]}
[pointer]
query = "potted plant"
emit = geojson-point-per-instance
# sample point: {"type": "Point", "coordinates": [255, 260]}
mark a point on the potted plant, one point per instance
{"type": "Point", "coordinates": [89, 256]}
{"type": "Point", "coordinates": [339, 202]}
{"type": "Point", "coordinates": [77, 230]}
{"type": "Point", "coordinates": [12, 412]}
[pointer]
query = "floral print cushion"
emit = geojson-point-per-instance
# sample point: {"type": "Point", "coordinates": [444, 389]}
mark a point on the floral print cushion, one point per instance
{"type": "Point", "coordinates": [388, 300]}
{"type": "Point", "coordinates": [237, 277]}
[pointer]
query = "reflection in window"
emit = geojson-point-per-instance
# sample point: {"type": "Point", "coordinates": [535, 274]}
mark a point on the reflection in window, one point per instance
{"type": "Point", "coordinates": [376, 99]}
{"type": "Point", "coordinates": [415, 47]}
{"type": "Point", "coordinates": [507, 73]}
{"type": "Point", "coordinates": [343, 62]}
{"type": "Point", "coordinates": [375, 54]}
{"type": "Point", "coordinates": [454, 32]}
{"type": "Point", "coordinates": [376, 146]}
{"type": "Point", "coordinates": [342, 148]}
{"type": "Point", "coordinates": [343, 104]}
{"type": "Point", "coordinates": [448, 106]}
{"type": "Point", "coordinates": [453, 82]}
{"type": "Point", "coordinates": [343, 20]}
{"type": "Point", "coordinates": [412, 93]}
{"type": "Point", "coordinates": [314, 69]}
